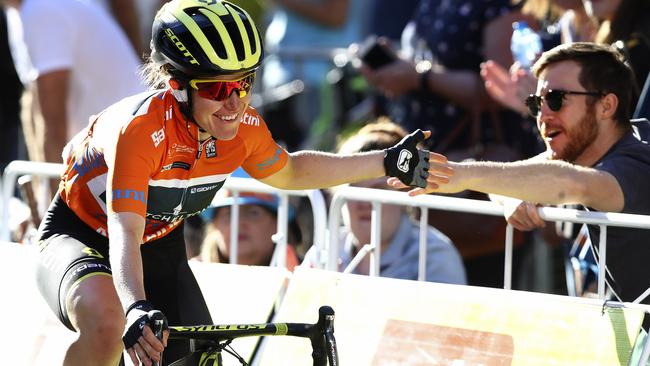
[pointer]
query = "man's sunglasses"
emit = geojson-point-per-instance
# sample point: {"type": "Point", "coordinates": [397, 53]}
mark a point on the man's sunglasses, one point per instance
{"type": "Point", "coordinates": [220, 90]}
{"type": "Point", "coordinates": [553, 100]}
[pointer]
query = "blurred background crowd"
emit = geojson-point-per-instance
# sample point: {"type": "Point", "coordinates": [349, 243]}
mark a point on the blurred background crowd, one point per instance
{"type": "Point", "coordinates": [457, 68]}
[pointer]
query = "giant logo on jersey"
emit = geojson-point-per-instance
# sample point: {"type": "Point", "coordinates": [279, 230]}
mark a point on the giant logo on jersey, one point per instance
{"type": "Point", "coordinates": [194, 190]}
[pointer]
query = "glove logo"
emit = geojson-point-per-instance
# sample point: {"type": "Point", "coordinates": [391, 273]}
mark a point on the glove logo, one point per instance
{"type": "Point", "coordinates": [404, 160]}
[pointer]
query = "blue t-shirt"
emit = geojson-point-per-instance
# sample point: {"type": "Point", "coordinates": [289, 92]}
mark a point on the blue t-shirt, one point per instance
{"type": "Point", "coordinates": [401, 258]}
{"type": "Point", "coordinates": [628, 249]}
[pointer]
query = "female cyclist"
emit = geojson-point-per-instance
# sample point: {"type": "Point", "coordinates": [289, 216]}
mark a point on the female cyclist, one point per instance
{"type": "Point", "coordinates": [112, 246]}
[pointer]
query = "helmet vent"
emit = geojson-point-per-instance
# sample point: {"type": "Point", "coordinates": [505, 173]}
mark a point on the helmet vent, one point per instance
{"type": "Point", "coordinates": [235, 36]}
{"type": "Point", "coordinates": [209, 31]}
{"type": "Point", "coordinates": [251, 33]}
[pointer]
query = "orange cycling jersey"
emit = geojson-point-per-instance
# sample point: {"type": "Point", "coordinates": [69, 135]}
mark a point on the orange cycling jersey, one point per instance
{"type": "Point", "coordinates": [142, 156]}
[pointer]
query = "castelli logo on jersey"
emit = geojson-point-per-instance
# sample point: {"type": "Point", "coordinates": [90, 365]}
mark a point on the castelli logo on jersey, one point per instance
{"type": "Point", "coordinates": [181, 47]}
{"type": "Point", "coordinates": [250, 120]}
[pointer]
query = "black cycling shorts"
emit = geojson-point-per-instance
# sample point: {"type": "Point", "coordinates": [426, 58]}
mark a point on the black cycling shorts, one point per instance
{"type": "Point", "coordinates": [71, 252]}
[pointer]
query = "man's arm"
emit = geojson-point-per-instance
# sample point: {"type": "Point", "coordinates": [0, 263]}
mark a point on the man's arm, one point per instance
{"type": "Point", "coordinates": [126, 15]}
{"type": "Point", "coordinates": [52, 96]}
{"type": "Point", "coordinates": [547, 182]}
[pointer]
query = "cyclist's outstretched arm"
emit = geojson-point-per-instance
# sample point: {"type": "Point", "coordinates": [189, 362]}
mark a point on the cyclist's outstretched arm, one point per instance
{"type": "Point", "coordinates": [316, 169]}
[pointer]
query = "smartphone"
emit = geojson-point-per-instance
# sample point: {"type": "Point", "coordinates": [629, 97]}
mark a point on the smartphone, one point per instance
{"type": "Point", "coordinates": [375, 54]}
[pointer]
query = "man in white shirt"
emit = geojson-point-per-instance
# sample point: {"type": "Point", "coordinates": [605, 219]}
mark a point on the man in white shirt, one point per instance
{"type": "Point", "coordinates": [83, 63]}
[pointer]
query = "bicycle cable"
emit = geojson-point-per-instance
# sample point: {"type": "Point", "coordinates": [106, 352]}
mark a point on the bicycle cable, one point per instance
{"type": "Point", "coordinates": [228, 348]}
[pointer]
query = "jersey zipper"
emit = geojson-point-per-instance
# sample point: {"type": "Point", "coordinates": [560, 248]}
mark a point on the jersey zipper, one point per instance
{"type": "Point", "coordinates": [200, 143]}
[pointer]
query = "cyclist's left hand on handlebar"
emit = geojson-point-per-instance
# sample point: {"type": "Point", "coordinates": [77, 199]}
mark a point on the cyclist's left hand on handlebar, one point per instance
{"type": "Point", "coordinates": [143, 346]}
{"type": "Point", "coordinates": [408, 163]}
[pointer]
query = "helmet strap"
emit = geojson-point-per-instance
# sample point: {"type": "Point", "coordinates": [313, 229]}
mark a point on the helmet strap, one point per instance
{"type": "Point", "coordinates": [183, 96]}
{"type": "Point", "coordinates": [178, 90]}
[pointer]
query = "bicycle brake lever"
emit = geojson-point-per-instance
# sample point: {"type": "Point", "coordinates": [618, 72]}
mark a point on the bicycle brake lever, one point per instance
{"type": "Point", "coordinates": [157, 326]}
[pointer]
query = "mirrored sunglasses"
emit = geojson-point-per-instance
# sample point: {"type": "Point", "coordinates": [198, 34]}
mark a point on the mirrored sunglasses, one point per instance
{"type": "Point", "coordinates": [220, 90]}
{"type": "Point", "coordinates": [553, 99]}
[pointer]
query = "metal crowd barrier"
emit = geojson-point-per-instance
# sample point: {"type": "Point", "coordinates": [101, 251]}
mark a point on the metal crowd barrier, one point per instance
{"type": "Point", "coordinates": [326, 238]}
{"type": "Point", "coordinates": [12, 172]}
{"type": "Point", "coordinates": [18, 168]}
{"type": "Point", "coordinates": [378, 197]}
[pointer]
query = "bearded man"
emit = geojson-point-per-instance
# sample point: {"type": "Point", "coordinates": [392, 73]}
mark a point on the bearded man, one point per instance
{"type": "Point", "coordinates": [594, 157]}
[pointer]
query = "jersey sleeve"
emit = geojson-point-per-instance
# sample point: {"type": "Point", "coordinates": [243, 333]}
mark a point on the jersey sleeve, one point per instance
{"type": "Point", "coordinates": [265, 156]}
{"type": "Point", "coordinates": [136, 157]}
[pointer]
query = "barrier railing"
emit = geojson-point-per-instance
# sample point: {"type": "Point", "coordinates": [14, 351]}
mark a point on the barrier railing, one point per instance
{"type": "Point", "coordinates": [18, 168]}
{"type": "Point", "coordinates": [12, 172]}
{"type": "Point", "coordinates": [378, 197]}
{"type": "Point", "coordinates": [328, 251]}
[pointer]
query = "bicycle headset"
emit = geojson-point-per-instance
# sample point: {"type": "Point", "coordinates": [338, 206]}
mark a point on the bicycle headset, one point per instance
{"type": "Point", "coordinates": [195, 39]}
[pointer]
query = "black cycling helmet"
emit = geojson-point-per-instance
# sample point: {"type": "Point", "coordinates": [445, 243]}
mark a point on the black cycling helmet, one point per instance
{"type": "Point", "coordinates": [204, 38]}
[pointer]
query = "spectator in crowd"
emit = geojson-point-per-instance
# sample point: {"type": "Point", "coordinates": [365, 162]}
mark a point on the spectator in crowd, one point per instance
{"type": "Point", "coordinates": [388, 18]}
{"type": "Point", "coordinates": [399, 233]}
{"type": "Point", "coordinates": [257, 223]}
{"type": "Point", "coordinates": [127, 15]}
{"type": "Point", "coordinates": [12, 146]}
{"type": "Point", "coordinates": [576, 21]}
{"type": "Point", "coordinates": [135, 18]}
{"type": "Point", "coordinates": [625, 24]}
{"type": "Point", "coordinates": [435, 84]}
{"type": "Point", "coordinates": [594, 158]}
{"type": "Point", "coordinates": [299, 39]}
{"type": "Point", "coordinates": [194, 233]}
{"type": "Point", "coordinates": [72, 44]}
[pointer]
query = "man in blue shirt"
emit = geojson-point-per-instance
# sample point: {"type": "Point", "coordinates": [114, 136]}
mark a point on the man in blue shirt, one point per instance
{"type": "Point", "coordinates": [594, 157]}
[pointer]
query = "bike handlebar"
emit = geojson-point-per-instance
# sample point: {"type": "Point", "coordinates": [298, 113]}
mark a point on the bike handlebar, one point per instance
{"type": "Point", "coordinates": [320, 334]}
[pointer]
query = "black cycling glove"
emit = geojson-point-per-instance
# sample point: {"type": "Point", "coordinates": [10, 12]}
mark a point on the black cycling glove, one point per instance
{"type": "Point", "coordinates": [138, 315]}
{"type": "Point", "coordinates": [406, 162]}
